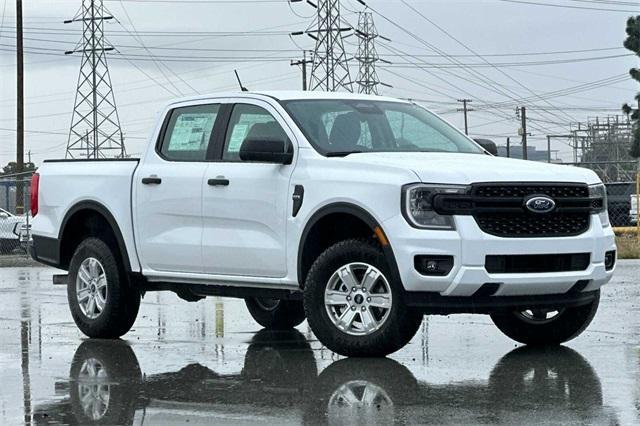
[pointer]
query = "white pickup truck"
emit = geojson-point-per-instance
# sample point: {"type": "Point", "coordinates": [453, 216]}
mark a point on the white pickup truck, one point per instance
{"type": "Point", "coordinates": [359, 213]}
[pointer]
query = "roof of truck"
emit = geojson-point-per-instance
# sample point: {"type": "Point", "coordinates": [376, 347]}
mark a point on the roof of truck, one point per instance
{"type": "Point", "coordinates": [286, 95]}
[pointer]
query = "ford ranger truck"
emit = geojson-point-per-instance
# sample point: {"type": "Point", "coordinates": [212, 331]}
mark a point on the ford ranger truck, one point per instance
{"type": "Point", "coordinates": [360, 214]}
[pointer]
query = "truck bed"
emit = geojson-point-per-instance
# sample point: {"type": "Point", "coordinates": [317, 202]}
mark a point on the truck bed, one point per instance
{"type": "Point", "coordinates": [105, 182]}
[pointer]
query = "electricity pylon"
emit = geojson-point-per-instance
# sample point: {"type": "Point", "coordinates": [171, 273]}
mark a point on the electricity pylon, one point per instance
{"type": "Point", "coordinates": [367, 55]}
{"type": "Point", "coordinates": [95, 126]}
{"type": "Point", "coordinates": [330, 69]}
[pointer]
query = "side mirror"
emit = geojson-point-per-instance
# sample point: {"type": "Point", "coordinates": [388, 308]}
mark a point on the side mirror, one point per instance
{"type": "Point", "coordinates": [267, 150]}
{"type": "Point", "coordinates": [3, 215]}
{"type": "Point", "coordinates": [488, 145]}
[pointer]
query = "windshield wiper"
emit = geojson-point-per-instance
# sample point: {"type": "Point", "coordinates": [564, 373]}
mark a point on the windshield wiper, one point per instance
{"type": "Point", "coordinates": [342, 153]}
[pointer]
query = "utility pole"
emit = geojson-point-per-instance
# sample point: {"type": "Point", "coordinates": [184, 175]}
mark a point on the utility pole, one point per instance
{"type": "Point", "coordinates": [523, 129]}
{"type": "Point", "coordinates": [367, 55]}
{"type": "Point", "coordinates": [303, 63]}
{"type": "Point", "coordinates": [20, 110]}
{"type": "Point", "coordinates": [330, 68]}
{"type": "Point", "coordinates": [95, 126]}
{"type": "Point", "coordinates": [465, 109]}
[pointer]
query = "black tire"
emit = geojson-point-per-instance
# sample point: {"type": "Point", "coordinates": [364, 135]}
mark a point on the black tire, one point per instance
{"type": "Point", "coordinates": [122, 301]}
{"type": "Point", "coordinates": [104, 383]}
{"type": "Point", "coordinates": [397, 330]}
{"type": "Point", "coordinates": [566, 325]}
{"type": "Point", "coordinates": [276, 314]}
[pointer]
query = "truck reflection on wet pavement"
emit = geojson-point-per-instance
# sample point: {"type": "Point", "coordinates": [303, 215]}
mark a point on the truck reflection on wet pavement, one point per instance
{"type": "Point", "coordinates": [279, 382]}
{"type": "Point", "coordinates": [208, 363]}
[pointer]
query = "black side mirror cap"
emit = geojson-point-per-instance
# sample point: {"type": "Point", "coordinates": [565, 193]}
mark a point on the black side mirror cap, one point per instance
{"type": "Point", "coordinates": [267, 150]}
{"type": "Point", "coordinates": [488, 145]}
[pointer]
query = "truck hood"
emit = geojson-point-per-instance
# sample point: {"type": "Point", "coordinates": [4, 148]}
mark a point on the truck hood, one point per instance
{"type": "Point", "coordinates": [454, 168]}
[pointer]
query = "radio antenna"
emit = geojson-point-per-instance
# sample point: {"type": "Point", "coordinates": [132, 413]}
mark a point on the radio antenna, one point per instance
{"type": "Point", "coordinates": [244, 89]}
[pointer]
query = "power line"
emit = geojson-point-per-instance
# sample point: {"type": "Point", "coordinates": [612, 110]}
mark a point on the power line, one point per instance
{"type": "Point", "coordinates": [448, 34]}
{"type": "Point", "coordinates": [566, 6]}
{"type": "Point", "coordinates": [138, 38]}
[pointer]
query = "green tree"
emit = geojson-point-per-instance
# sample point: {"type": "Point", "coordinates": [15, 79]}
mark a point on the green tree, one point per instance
{"type": "Point", "coordinates": [12, 167]}
{"type": "Point", "coordinates": [633, 44]}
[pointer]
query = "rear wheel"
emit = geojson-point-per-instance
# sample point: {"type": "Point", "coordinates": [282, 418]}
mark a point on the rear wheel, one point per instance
{"type": "Point", "coordinates": [275, 314]}
{"type": "Point", "coordinates": [102, 302]}
{"type": "Point", "coordinates": [353, 305]}
{"type": "Point", "coordinates": [546, 327]}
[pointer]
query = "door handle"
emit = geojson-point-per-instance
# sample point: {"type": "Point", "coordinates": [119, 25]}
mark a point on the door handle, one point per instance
{"type": "Point", "coordinates": [220, 181]}
{"type": "Point", "coordinates": [151, 181]}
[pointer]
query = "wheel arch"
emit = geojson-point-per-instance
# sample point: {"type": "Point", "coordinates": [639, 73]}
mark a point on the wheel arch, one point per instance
{"type": "Point", "coordinates": [82, 213]}
{"type": "Point", "coordinates": [305, 256]}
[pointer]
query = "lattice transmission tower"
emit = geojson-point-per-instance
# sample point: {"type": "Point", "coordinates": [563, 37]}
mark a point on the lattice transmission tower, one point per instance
{"type": "Point", "coordinates": [95, 126]}
{"type": "Point", "coordinates": [330, 69]}
{"type": "Point", "coordinates": [367, 55]}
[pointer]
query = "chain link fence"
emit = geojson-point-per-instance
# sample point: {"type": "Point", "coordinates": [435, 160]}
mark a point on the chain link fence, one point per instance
{"type": "Point", "coordinates": [15, 219]}
{"type": "Point", "coordinates": [619, 203]}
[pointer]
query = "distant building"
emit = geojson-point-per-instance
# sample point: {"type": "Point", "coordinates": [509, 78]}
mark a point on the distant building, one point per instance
{"type": "Point", "coordinates": [533, 154]}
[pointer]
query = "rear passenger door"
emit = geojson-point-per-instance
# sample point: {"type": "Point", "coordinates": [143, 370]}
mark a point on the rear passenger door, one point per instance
{"type": "Point", "coordinates": [168, 191]}
{"type": "Point", "coordinates": [246, 207]}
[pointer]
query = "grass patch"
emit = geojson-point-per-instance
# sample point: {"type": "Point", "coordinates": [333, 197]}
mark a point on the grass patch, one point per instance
{"type": "Point", "coordinates": [628, 246]}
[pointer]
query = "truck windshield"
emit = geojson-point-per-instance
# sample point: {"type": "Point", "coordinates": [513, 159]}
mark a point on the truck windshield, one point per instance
{"type": "Point", "coordinates": [342, 127]}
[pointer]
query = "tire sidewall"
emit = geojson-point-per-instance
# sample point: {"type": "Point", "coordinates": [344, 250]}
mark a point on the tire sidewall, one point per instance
{"type": "Point", "coordinates": [285, 316]}
{"type": "Point", "coordinates": [96, 248]}
{"type": "Point", "coordinates": [389, 334]}
{"type": "Point", "coordinates": [569, 324]}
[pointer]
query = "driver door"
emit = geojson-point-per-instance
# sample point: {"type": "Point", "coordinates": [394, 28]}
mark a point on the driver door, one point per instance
{"type": "Point", "coordinates": [245, 204]}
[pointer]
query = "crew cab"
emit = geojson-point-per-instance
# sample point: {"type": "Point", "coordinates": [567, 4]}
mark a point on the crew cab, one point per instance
{"type": "Point", "coordinates": [358, 213]}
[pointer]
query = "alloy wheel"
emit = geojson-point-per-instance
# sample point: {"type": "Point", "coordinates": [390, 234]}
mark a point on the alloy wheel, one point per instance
{"type": "Point", "coordinates": [91, 288]}
{"type": "Point", "coordinates": [358, 299]}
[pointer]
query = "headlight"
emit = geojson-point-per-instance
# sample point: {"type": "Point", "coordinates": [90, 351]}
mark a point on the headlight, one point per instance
{"type": "Point", "coordinates": [418, 205]}
{"type": "Point", "coordinates": [598, 193]}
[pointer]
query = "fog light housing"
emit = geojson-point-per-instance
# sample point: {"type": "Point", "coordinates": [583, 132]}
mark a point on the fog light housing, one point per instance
{"type": "Point", "coordinates": [432, 265]}
{"type": "Point", "coordinates": [609, 260]}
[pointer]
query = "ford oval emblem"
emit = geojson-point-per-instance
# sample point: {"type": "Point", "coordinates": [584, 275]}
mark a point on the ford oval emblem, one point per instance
{"type": "Point", "coordinates": [540, 204]}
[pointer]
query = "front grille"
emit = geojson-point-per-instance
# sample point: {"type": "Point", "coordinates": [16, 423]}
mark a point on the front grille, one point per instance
{"type": "Point", "coordinates": [530, 226]}
{"type": "Point", "coordinates": [500, 208]}
{"type": "Point", "coordinates": [523, 190]}
{"type": "Point", "coordinates": [536, 263]}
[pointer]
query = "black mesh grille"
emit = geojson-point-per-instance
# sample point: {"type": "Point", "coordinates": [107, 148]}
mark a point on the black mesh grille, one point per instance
{"type": "Point", "coordinates": [497, 220]}
{"type": "Point", "coordinates": [529, 225]}
{"type": "Point", "coordinates": [554, 191]}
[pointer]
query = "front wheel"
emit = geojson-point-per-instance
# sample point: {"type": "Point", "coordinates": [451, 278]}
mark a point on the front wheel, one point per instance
{"type": "Point", "coordinates": [353, 305]}
{"type": "Point", "coordinates": [102, 302]}
{"type": "Point", "coordinates": [547, 327]}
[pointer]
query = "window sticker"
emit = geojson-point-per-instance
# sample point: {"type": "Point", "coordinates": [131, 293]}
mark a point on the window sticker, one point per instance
{"type": "Point", "coordinates": [191, 132]}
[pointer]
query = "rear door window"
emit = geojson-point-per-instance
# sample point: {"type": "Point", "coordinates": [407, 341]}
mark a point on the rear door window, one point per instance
{"type": "Point", "coordinates": [188, 133]}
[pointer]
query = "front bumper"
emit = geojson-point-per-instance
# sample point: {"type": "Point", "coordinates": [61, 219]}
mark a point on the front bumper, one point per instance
{"type": "Point", "coordinates": [469, 246]}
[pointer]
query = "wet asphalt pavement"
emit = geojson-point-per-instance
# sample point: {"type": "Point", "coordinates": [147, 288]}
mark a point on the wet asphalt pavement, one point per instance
{"type": "Point", "coordinates": [209, 363]}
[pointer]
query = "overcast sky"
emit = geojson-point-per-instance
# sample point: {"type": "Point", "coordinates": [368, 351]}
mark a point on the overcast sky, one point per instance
{"type": "Point", "coordinates": [497, 29]}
